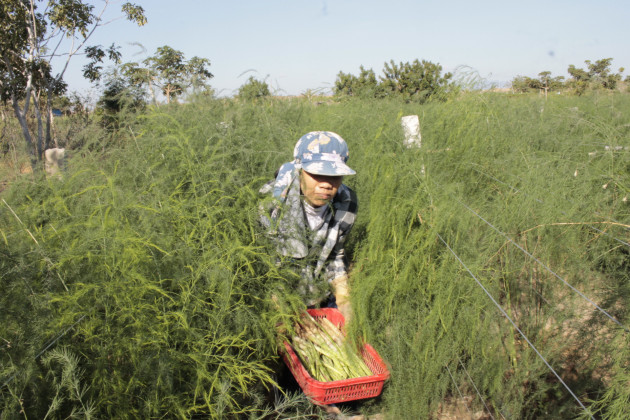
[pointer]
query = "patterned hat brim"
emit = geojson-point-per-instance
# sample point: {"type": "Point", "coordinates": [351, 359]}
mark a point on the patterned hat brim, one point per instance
{"type": "Point", "coordinates": [324, 167]}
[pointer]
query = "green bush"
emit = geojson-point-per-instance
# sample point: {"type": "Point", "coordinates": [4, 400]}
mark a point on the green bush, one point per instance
{"type": "Point", "coordinates": [253, 89]}
{"type": "Point", "coordinates": [413, 82]}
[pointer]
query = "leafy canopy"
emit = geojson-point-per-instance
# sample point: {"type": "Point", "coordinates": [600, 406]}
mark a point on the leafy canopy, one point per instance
{"type": "Point", "coordinates": [253, 89]}
{"type": "Point", "coordinates": [413, 82]}
{"type": "Point", "coordinates": [597, 75]}
{"type": "Point", "coordinates": [170, 72]}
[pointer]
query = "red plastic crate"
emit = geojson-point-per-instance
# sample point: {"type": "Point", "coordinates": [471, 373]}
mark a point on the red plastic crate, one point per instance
{"type": "Point", "coordinates": [333, 392]}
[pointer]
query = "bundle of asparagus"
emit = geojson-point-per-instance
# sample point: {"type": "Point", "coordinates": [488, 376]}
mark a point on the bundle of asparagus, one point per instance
{"type": "Point", "coordinates": [325, 353]}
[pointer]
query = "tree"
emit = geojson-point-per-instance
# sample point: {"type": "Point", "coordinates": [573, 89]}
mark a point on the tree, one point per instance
{"type": "Point", "coordinates": [253, 89]}
{"type": "Point", "coordinates": [601, 74]}
{"type": "Point", "coordinates": [169, 71]}
{"type": "Point", "coordinates": [119, 95]}
{"type": "Point", "coordinates": [544, 83]}
{"type": "Point", "coordinates": [198, 74]}
{"type": "Point", "coordinates": [548, 83]}
{"type": "Point", "coordinates": [345, 84]}
{"type": "Point", "coordinates": [580, 79]}
{"type": "Point", "coordinates": [33, 34]}
{"type": "Point", "coordinates": [551, 83]}
{"type": "Point", "coordinates": [597, 76]}
{"type": "Point", "coordinates": [524, 84]}
{"type": "Point", "coordinates": [139, 77]}
{"type": "Point", "coordinates": [365, 85]}
{"type": "Point", "coordinates": [417, 81]}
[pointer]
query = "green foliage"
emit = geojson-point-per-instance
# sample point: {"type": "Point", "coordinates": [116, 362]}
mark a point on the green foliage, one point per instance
{"type": "Point", "coordinates": [579, 79]}
{"type": "Point", "coordinates": [413, 82]}
{"type": "Point", "coordinates": [134, 13]}
{"type": "Point", "coordinates": [253, 89]}
{"type": "Point", "coordinates": [26, 74]}
{"type": "Point", "coordinates": [364, 86]}
{"type": "Point", "coordinates": [174, 285]}
{"type": "Point", "coordinates": [94, 69]}
{"type": "Point", "coordinates": [598, 76]}
{"type": "Point", "coordinates": [419, 306]}
{"type": "Point", "coordinates": [173, 75]}
{"type": "Point", "coordinates": [169, 71]}
{"type": "Point", "coordinates": [550, 83]}
{"type": "Point", "coordinates": [417, 81]}
{"type": "Point", "coordinates": [119, 98]}
{"type": "Point", "coordinates": [14, 46]}
{"type": "Point", "coordinates": [139, 285]}
{"type": "Point", "coordinates": [613, 403]}
{"type": "Point", "coordinates": [66, 377]}
{"type": "Point", "coordinates": [71, 16]}
{"type": "Point", "coordinates": [523, 84]}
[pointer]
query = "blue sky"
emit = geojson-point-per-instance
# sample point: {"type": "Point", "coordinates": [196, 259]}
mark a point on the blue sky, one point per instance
{"type": "Point", "coordinates": [295, 45]}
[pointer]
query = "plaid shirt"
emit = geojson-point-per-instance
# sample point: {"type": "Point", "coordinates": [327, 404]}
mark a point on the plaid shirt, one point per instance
{"type": "Point", "coordinates": [319, 253]}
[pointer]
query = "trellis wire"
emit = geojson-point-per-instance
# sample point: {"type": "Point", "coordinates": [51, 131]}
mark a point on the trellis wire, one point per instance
{"type": "Point", "coordinates": [476, 389]}
{"type": "Point", "coordinates": [454, 383]}
{"type": "Point", "coordinates": [457, 387]}
{"type": "Point", "coordinates": [533, 290]}
{"type": "Point", "coordinates": [505, 314]}
{"type": "Point", "coordinates": [545, 266]}
{"type": "Point", "coordinates": [49, 345]}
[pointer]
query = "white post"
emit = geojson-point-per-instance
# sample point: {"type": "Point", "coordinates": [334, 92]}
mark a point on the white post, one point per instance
{"type": "Point", "coordinates": [413, 138]}
{"type": "Point", "coordinates": [411, 126]}
{"type": "Point", "coordinates": [54, 160]}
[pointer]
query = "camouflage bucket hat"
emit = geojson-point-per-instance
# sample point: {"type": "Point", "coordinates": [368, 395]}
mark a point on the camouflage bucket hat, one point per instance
{"type": "Point", "coordinates": [323, 153]}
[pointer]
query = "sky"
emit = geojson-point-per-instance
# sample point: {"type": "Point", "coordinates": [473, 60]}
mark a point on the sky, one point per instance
{"type": "Point", "coordinates": [301, 45]}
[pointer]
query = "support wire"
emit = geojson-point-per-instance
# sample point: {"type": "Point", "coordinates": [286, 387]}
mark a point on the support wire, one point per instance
{"type": "Point", "coordinates": [49, 345]}
{"type": "Point", "coordinates": [505, 314]}
{"type": "Point", "coordinates": [546, 267]}
{"type": "Point", "coordinates": [476, 389]}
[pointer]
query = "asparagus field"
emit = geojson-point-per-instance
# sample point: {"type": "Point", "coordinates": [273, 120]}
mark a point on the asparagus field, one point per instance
{"type": "Point", "coordinates": [489, 267]}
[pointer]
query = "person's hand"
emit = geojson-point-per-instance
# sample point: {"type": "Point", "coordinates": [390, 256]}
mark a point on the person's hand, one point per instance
{"type": "Point", "coordinates": [342, 296]}
{"type": "Point", "coordinates": [346, 310]}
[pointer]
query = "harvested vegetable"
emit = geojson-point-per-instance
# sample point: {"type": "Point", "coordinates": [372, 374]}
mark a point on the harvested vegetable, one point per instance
{"type": "Point", "coordinates": [325, 352]}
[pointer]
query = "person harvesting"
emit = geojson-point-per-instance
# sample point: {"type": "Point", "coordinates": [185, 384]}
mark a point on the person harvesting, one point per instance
{"type": "Point", "coordinates": [309, 213]}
